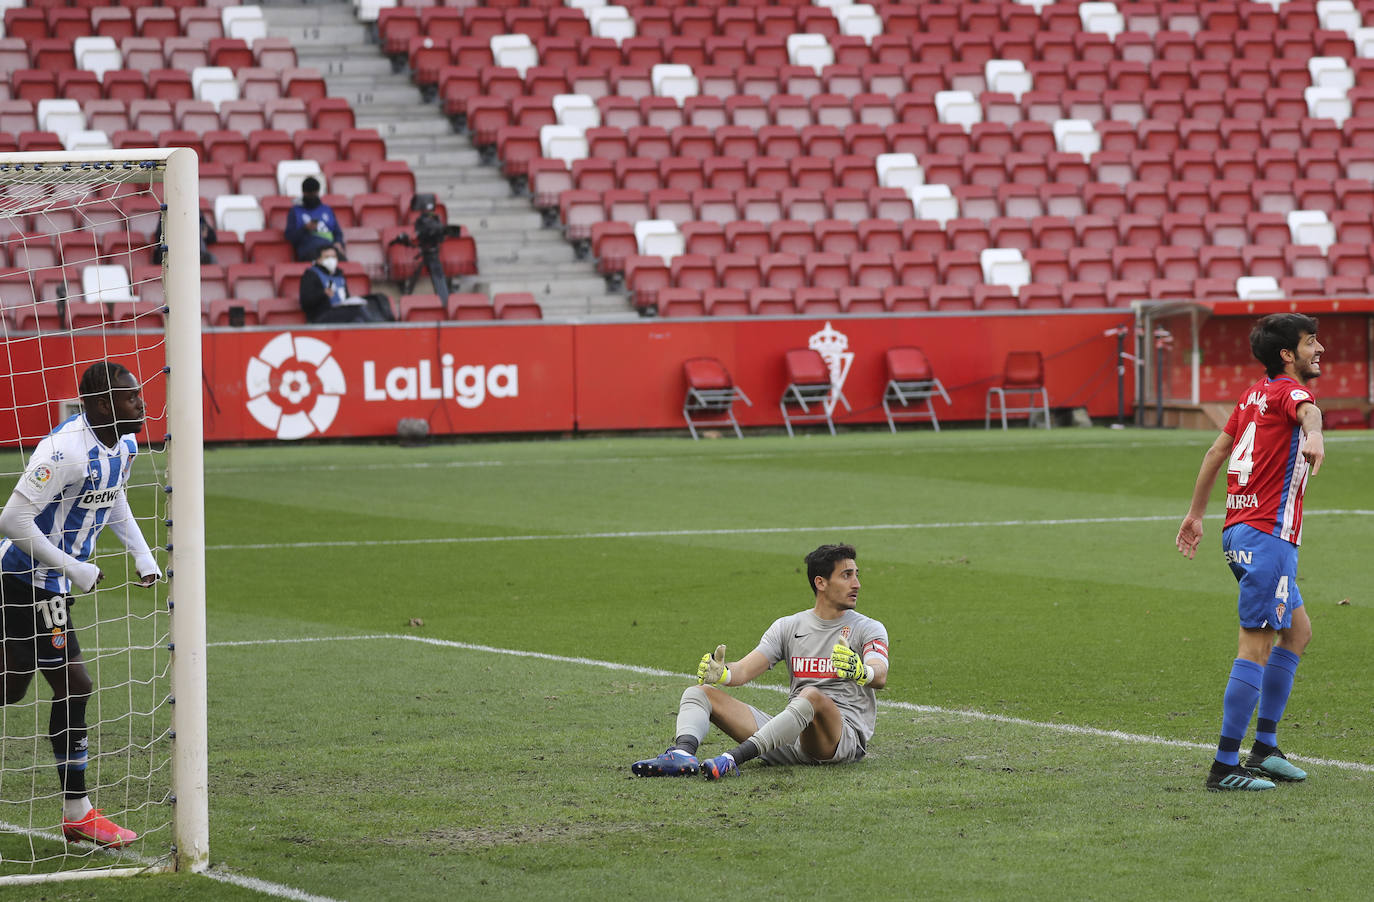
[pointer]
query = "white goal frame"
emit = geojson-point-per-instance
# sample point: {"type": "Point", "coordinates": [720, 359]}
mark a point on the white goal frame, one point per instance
{"type": "Point", "coordinates": [178, 170]}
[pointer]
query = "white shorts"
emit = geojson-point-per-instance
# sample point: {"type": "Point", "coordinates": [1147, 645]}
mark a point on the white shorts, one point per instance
{"type": "Point", "coordinates": [848, 751]}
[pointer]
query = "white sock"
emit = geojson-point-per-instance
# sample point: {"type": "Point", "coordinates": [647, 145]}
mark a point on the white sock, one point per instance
{"type": "Point", "coordinates": [75, 809]}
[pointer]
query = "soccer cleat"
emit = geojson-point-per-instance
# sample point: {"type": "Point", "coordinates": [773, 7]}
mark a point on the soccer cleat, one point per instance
{"type": "Point", "coordinates": [719, 767]}
{"type": "Point", "coordinates": [97, 828]}
{"type": "Point", "coordinates": [1273, 764]}
{"type": "Point", "coordinates": [672, 763]}
{"type": "Point", "coordinates": [1225, 777]}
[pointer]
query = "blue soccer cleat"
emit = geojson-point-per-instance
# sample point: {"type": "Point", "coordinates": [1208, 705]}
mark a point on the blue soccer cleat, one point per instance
{"type": "Point", "coordinates": [1233, 777]}
{"type": "Point", "coordinates": [1274, 764]}
{"type": "Point", "coordinates": [672, 763]}
{"type": "Point", "coordinates": [719, 767]}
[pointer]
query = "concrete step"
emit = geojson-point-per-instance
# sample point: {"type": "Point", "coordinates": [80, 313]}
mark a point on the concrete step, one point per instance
{"type": "Point", "coordinates": [436, 147]}
{"type": "Point", "coordinates": [499, 264]}
{"type": "Point", "coordinates": [350, 80]}
{"type": "Point", "coordinates": [507, 225]}
{"type": "Point", "coordinates": [321, 35]}
{"type": "Point", "coordinates": [376, 116]}
{"type": "Point", "coordinates": [405, 127]}
{"type": "Point", "coordinates": [546, 248]}
{"type": "Point", "coordinates": [358, 62]}
{"type": "Point", "coordinates": [544, 288]}
{"type": "Point", "coordinates": [574, 306]}
{"type": "Point", "coordinates": [458, 158]}
{"type": "Point", "coordinates": [377, 95]}
{"type": "Point", "coordinates": [303, 14]}
{"type": "Point", "coordinates": [477, 208]}
{"type": "Point", "coordinates": [489, 190]}
{"type": "Point", "coordinates": [474, 186]}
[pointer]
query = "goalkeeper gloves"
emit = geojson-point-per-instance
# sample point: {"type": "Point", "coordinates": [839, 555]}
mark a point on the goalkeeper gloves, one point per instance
{"type": "Point", "coordinates": [847, 665]}
{"type": "Point", "coordinates": [712, 669]}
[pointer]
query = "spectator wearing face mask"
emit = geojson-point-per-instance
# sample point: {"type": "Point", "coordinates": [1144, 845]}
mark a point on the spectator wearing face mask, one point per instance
{"type": "Point", "coordinates": [324, 293]}
{"type": "Point", "coordinates": [311, 225]}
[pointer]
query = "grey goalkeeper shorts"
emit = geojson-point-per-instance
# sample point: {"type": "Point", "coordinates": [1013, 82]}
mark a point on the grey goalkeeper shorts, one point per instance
{"type": "Point", "coordinates": [848, 751]}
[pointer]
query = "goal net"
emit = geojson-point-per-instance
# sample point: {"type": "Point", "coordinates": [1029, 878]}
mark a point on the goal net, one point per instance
{"type": "Point", "coordinates": [100, 261]}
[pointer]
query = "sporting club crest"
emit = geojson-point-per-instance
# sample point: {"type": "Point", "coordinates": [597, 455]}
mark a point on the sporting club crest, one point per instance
{"type": "Point", "coordinates": [833, 346]}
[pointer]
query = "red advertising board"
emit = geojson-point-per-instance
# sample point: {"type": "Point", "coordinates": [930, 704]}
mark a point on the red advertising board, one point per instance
{"type": "Point", "coordinates": [629, 376]}
{"type": "Point", "coordinates": [352, 381]}
{"type": "Point", "coordinates": [43, 370]}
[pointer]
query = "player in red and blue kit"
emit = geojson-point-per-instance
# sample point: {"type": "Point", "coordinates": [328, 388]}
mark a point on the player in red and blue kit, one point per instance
{"type": "Point", "coordinates": [1270, 444]}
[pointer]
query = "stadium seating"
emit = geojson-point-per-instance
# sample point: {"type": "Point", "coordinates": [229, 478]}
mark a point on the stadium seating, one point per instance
{"type": "Point", "coordinates": [1110, 149]}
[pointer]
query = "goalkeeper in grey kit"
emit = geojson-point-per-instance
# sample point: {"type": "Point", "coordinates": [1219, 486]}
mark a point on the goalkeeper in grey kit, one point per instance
{"type": "Point", "coordinates": [836, 656]}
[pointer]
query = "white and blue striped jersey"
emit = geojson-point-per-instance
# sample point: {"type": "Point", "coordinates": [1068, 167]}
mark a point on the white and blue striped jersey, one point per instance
{"type": "Point", "coordinates": [75, 480]}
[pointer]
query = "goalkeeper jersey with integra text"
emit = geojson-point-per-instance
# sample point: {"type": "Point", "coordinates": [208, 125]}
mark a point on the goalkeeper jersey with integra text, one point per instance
{"type": "Point", "coordinates": [805, 642]}
{"type": "Point", "coordinates": [75, 480]}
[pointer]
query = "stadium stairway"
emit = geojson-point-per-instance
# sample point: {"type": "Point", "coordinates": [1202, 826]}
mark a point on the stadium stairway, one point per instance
{"type": "Point", "coordinates": [515, 253]}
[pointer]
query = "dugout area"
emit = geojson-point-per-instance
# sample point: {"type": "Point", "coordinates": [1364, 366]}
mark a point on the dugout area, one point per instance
{"type": "Point", "coordinates": [1194, 358]}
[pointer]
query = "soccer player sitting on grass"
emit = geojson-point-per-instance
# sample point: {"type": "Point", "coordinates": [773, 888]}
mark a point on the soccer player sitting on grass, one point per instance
{"type": "Point", "coordinates": [837, 657]}
{"type": "Point", "coordinates": [1273, 438]}
{"type": "Point", "coordinates": [72, 488]}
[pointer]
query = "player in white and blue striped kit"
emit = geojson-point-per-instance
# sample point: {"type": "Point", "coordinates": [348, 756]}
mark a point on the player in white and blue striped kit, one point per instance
{"type": "Point", "coordinates": [72, 488]}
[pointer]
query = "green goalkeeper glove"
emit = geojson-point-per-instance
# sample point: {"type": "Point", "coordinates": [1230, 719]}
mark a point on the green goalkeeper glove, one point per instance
{"type": "Point", "coordinates": [712, 668]}
{"type": "Point", "coordinates": [847, 665]}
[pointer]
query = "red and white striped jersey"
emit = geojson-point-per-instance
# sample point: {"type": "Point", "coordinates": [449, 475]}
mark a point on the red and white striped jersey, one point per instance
{"type": "Point", "coordinates": [1266, 474]}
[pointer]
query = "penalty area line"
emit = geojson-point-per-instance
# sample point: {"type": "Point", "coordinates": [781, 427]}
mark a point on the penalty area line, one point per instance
{"type": "Point", "coordinates": [968, 713]}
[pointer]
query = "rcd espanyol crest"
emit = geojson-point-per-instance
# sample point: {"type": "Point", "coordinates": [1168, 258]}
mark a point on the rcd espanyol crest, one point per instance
{"type": "Point", "coordinates": [294, 385]}
{"type": "Point", "coordinates": [834, 350]}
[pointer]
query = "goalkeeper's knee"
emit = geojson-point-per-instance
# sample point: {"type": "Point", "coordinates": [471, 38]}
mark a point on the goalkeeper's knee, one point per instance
{"type": "Point", "coordinates": [696, 696]}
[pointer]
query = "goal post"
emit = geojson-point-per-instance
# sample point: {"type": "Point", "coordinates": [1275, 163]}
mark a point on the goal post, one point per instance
{"type": "Point", "coordinates": [186, 480]}
{"type": "Point", "coordinates": [75, 228]}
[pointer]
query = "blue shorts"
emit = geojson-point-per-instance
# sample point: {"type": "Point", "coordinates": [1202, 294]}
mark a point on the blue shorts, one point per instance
{"type": "Point", "coordinates": [1267, 569]}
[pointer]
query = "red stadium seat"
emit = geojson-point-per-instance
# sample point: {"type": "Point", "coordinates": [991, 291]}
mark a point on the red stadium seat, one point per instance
{"type": "Point", "coordinates": [516, 305]}
{"type": "Point", "coordinates": [467, 306]}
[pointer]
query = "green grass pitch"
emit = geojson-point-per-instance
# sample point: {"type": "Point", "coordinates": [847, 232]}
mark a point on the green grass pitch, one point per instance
{"type": "Point", "coordinates": [1028, 575]}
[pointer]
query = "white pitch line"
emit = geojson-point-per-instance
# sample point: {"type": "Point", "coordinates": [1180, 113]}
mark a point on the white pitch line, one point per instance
{"type": "Point", "coordinates": [266, 887]}
{"type": "Point", "coordinates": [971, 714]}
{"type": "Point", "coordinates": [998, 447]}
{"type": "Point", "coordinates": [734, 531]}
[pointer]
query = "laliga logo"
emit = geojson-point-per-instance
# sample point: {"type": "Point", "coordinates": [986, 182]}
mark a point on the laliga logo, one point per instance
{"type": "Point", "coordinates": [834, 350]}
{"type": "Point", "coordinates": [294, 386]}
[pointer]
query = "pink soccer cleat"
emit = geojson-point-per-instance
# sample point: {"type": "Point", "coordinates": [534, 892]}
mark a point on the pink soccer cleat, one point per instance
{"type": "Point", "coordinates": [98, 829]}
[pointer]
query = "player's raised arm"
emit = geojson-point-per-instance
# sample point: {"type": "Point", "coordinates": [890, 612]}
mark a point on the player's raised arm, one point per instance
{"type": "Point", "coordinates": [1313, 445]}
{"type": "Point", "coordinates": [1190, 530]}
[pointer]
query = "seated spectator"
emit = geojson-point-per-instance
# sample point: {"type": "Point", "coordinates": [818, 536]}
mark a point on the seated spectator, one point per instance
{"type": "Point", "coordinates": [325, 297]}
{"type": "Point", "coordinates": [312, 225]}
{"type": "Point", "coordinates": [208, 236]}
